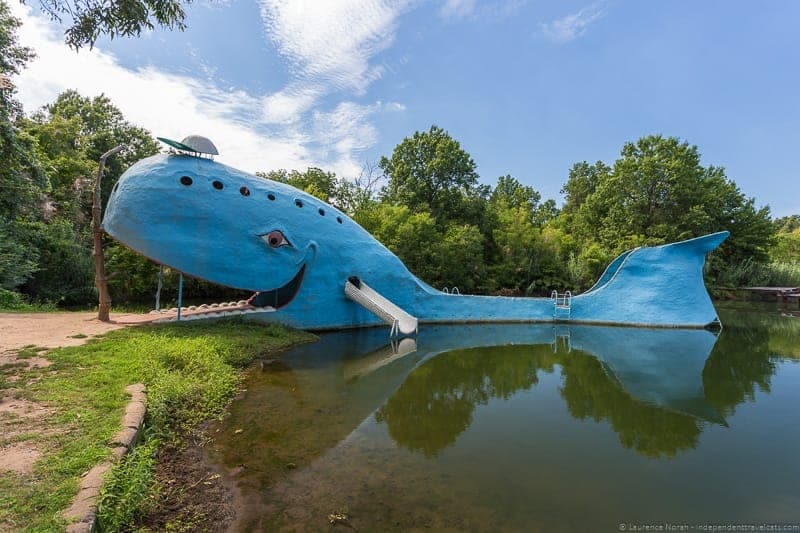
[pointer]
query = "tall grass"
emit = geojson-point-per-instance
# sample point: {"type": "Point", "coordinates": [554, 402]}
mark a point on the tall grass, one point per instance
{"type": "Point", "coordinates": [750, 273]}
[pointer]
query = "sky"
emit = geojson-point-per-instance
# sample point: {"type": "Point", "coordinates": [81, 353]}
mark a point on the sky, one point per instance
{"type": "Point", "coordinates": [527, 87]}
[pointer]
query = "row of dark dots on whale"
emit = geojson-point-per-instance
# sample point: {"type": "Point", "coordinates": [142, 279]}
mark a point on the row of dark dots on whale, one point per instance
{"type": "Point", "coordinates": [244, 191]}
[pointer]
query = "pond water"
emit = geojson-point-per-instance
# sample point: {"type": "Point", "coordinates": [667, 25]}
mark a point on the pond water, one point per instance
{"type": "Point", "coordinates": [524, 428]}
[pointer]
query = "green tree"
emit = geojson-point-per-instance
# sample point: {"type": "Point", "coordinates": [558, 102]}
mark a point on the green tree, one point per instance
{"type": "Point", "coordinates": [787, 224]}
{"type": "Point", "coordinates": [413, 237]}
{"type": "Point", "coordinates": [22, 181]}
{"type": "Point", "coordinates": [515, 238]}
{"type": "Point", "coordinates": [514, 194]}
{"type": "Point", "coordinates": [658, 192]}
{"type": "Point", "coordinates": [430, 172]}
{"type": "Point", "coordinates": [787, 247]}
{"type": "Point", "coordinates": [351, 196]}
{"type": "Point", "coordinates": [21, 177]}
{"type": "Point", "coordinates": [87, 20]}
{"type": "Point", "coordinates": [18, 259]}
{"type": "Point", "coordinates": [314, 181]}
{"type": "Point", "coordinates": [72, 133]}
{"type": "Point", "coordinates": [460, 256]}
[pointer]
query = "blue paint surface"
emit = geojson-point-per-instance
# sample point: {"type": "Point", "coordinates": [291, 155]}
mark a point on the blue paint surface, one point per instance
{"type": "Point", "coordinates": [214, 222]}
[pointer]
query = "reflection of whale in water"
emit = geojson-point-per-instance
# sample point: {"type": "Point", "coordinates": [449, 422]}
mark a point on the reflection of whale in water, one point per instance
{"type": "Point", "coordinates": [648, 383]}
{"type": "Point", "coordinates": [661, 367]}
{"type": "Point", "coordinates": [658, 366]}
{"type": "Point", "coordinates": [526, 451]}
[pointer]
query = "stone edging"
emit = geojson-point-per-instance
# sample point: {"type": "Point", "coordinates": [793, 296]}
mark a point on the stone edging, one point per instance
{"type": "Point", "coordinates": [84, 504]}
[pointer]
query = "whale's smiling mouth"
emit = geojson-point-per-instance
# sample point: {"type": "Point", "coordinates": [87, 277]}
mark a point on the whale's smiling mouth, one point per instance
{"type": "Point", "coordinates": [282, 296]}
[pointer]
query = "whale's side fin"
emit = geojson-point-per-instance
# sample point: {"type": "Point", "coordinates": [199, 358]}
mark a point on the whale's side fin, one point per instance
{"type": "Point", "coordinates": [660, 285]}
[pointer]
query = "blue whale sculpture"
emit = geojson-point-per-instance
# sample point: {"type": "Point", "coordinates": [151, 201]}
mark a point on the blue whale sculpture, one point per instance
{"type": "Point", "coordinates": [214, 222]}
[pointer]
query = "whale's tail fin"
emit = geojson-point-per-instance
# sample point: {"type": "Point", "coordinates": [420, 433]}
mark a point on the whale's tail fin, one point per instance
{"type": "Point", "coordinates": [660, 285]}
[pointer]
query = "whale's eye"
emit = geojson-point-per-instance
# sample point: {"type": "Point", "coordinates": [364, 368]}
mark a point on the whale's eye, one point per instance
{"type": "Point", "coordinates": [275, 239]}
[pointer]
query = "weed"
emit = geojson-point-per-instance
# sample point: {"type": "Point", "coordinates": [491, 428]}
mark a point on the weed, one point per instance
{"type": "Point", "coordinates": [30, 351]}
{"type": "Point", "coordinates": [754, 274]}
{"type": "Point", "coordinates": [129, 490]}
{"type": "Point", "coordinates": [14, 301]}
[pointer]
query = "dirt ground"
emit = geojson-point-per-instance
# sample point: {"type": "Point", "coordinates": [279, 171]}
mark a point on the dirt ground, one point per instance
{"type": "Point", "coordinates": [53, 330]}
{"type": "Point", "coordinates": [20, 417]}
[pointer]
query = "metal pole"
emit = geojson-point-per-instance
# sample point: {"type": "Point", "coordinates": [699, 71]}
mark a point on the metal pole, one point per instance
{"type": "Point", "coordinates": [180, 294]}
{"type": "Point", "coordinates": [160, 284]}
{"type": "Point", "coordinates": [100, 281]}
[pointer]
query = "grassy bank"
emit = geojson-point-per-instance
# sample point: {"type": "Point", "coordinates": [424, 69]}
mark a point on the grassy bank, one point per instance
{"type": "Point", "coordinates": [192, 371]}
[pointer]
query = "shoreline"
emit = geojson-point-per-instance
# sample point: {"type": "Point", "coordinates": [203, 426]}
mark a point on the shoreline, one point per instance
{"type": "Point", "coordinates": [63, 406]}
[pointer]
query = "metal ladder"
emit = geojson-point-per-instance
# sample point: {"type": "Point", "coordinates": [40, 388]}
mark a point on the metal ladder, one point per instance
{"type": "Point", "coordinates": [561, 339]}
{"type": "Point", "coordinates": [562, 304]}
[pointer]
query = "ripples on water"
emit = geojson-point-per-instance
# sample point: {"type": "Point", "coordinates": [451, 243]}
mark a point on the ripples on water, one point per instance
{"type": "Point", "coordinates": [524, 427]}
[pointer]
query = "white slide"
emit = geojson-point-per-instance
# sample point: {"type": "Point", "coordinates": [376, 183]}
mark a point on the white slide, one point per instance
{"type": "Point", "coordinates": [402, 323]}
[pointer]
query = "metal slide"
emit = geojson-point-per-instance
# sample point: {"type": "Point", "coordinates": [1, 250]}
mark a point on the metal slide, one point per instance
{"type": "Point", "coordinates": [402, 323]}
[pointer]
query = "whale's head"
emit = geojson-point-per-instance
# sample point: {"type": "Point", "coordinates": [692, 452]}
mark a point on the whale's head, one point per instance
{"type": "Point", "coordinates": [222, 225]}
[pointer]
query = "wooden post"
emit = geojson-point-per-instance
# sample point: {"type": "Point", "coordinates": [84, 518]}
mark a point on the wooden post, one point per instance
{"type": "Point", "coordinates": [100, 281]}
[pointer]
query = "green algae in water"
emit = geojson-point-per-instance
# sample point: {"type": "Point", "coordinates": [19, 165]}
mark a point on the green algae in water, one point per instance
{"type": "Point", "coordinates": [524, 427]}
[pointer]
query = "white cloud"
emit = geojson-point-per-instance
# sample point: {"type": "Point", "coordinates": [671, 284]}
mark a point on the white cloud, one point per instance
{"type": "Point", "coordinates": [291, 132]}
{"type": "Point", "coordinates": [484, 11]}
{"type": "Point", "coordinates": [288, 105]}
{"type": "Point", "coordinates": [347, 131]}
{"type": "Point", "coordinates": [331, 43]}
{"type": "Point", "coordinates": [574, 25]}
{"type": "Point", "coordinates": [457, 8]}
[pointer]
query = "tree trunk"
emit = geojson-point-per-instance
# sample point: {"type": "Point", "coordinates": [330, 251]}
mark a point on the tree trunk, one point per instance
{"type": "Point", "coordinates": [104, 307]}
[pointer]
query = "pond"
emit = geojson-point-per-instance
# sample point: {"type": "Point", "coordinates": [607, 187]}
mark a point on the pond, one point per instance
{"type": "Point", "coordinates": [524, 428]}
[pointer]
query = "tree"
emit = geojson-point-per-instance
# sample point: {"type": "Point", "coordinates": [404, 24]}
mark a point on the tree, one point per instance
{"type": "Point", "coordinates": [658, 192]}
{"type": "Point", "coordinates": [21, 178]}
{"type": "Point", "coordinates": [514, 194]}
{"type": "Point", "coordinates": [72, 133]}
{"type": "Point", "coordinates": [787, 247]}
{"type": "Point", "coordinates": [314, 181]}
{"type": "Point", "coordinates": [582, 183]}
{"type": "Point", "coordinates": [787, 224]}
{"type": "Point", "coordinates": [430, 172]}
{"type": "Point", "coordinates": [17, 259]}
{"type": "Point", "coordinates": [87, 20]}
{"type": "Point", "coordinates": [349, 196]}
{"type": "Point", "coordinates": [69, 135]}
{"type": "Point", "coordinates": [413, 237]}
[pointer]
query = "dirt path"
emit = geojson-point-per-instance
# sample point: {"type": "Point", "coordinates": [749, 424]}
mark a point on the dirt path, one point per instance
{"type": "Point", "coordinates": [53, 330]}
{"type": "Point", "coordinates": [19, 416]}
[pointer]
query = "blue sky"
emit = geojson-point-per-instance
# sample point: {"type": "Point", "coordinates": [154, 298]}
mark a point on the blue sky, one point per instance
{"type": "Point", "coordinates": [527, 87]}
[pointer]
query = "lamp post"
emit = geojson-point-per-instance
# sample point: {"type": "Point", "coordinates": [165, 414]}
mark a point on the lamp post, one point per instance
{"type": "Point", "coordinates": [100, 280]}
